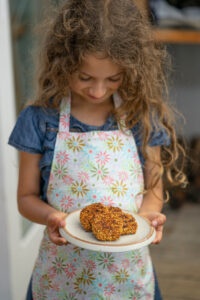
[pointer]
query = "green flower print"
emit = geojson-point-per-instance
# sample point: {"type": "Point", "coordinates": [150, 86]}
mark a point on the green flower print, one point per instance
{"type": "Point", "coordinates": [135, 171]}
{"type": "Point", "coordinates": [39, 294]}
{"type": "Point", "coordinates": [64, 295]}
{"type": "Point", "coordinates": [60, 171]}
{"type": "Point", "coordinates": [105, 259]}
{"type": "Point", "coordinates": [99, 171]}
{"type": "Point", "coordinates": [58, 265]}
{"type": "Point", "coordinates": [134, 295]}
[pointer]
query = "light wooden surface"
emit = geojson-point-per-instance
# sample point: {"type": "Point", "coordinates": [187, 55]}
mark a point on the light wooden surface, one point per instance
{"type": "Point", "coordinates": [177, 258]}
{"type": "Point", "coordinates": [177, 36]}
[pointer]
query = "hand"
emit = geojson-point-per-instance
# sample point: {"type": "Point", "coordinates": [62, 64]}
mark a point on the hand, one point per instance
{"type": "Point", "coordinates": [157, 220]}
{"type": "Point", "coordinates": [56, 220]}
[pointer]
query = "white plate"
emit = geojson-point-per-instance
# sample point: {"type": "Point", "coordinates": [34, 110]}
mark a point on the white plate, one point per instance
{"type": "Point", "coordinates": [75, 234]}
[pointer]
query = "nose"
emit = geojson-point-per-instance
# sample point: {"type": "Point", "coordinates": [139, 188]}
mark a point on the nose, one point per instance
{"type": "Point", "coordinates": [97, 90]}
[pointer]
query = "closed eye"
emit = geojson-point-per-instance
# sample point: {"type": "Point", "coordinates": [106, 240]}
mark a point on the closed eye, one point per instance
{"type": "Point", "coordinates": [84, 78]}
{"type": "Point", "coordinates": [114, 80]}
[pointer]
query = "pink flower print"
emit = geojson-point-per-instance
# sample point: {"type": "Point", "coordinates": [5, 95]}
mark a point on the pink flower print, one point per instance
{"type": "Point", "coordinates": [55, 287]}
{"type": "Point", "coordinates": [52, 273]}
{"type": "Point", "coordinates": [140, 263]}
{"type": "Point", "coordinates": [90, 264]}
{"type": "Point", "coordinates": [51, 177]}
{"type": "Point", "coordinates": [83, 176]}
{"type": "Point", "coordinates": [107, 201]}
{"type": "Point", "coordinates": [117, 133]}
{"type": "Point", "coordinates": [64, 120]}
{"type": "Point", "coordinates": [112, 268]}
{"type": "Point", "coordinates": [123, 175]}
{"type": "Point", "coordinates": [102, 158]}
{"type": "Point", "coordinates": [139, 285]}
{"type": "Point", "coordinates": [138, 200]}
{"type": "Point", "coordinates": [103, 136]}
{"type": "Point", "coordinates": [64, 135]}
{"type": "Point", "coordinates": [108, 180]}
{"type": "Point", "coordinates": [66, 202]}
{"type": "Point", "coordinates": [109, 290]}
{"type": "Point", "coordinates": [140, 178]}
{"type": "Point", "coordinates": [148, 297]}
{"type": "Point", "coordinates": [68, 180]}
{"type": "Point", "coordinates": [53, 249]}
{"type": "Point", "coordinates": [136, 158]}
{"type": "Point", "coordinates": [94, 197]}
{"type": "Point", "coordinates": [70, 270]}
{"type": "Point", "coordinates": [62, 157]}
{"type": "Point", "coordinates": [125, 263]}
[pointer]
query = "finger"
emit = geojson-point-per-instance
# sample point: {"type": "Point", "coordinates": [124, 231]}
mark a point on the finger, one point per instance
{"type": "Point", "coordinates": [159, 234]}
{"type": "Point", "coordinates": [158, 221]}
{"type": "Point", "coordinates": [62, 223]}
{"type": "Point", "coordinates": [158, 238]}
{"type": "Point", "coordinates": [60, 241]}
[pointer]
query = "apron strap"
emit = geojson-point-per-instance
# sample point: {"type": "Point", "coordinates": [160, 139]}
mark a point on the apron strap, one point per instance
{"type": "Point", "coordinates": [65, 110]}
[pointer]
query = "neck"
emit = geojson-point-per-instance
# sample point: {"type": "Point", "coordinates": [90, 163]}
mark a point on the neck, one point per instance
{"type": "Point", "coordinates": [91, 113]}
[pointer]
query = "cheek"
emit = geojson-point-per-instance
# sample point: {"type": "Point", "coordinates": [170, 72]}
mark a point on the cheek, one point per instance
{"type": "Point", "coordinates": [76, 85]}
{"type": "Point", "coordinates": [116, 85]}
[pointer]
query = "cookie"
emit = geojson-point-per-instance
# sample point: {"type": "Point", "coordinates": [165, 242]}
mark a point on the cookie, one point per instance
{"type": "Point", "coordinates": [129, 224]}
{"type": "Point", "coordinates": [87, 214]}
{"type": "Point", "coordinates": [107, 226]}
{"type": "Point", "coordinates": [114, 210]}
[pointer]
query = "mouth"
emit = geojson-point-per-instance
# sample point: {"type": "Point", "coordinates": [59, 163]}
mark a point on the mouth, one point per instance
{"type": "Point", "coordinates": [95, 98]}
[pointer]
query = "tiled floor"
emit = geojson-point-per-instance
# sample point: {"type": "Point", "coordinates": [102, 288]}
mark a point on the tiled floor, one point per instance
{"type": "Point", "coordinates": [177, 258]}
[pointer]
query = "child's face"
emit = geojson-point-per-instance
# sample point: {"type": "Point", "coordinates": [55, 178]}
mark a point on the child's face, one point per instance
{"type": "Point", "coordinates": [96, 80]}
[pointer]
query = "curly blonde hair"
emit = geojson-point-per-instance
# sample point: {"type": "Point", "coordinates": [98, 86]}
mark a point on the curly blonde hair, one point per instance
{"type": "Point", "coordinates": [117, 29]}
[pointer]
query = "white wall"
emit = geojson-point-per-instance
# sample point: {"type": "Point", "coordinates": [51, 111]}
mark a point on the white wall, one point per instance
{"type": "Point", "coordinates": [17, 252]}
{"type": "Point", "coordinates": [5, 288]}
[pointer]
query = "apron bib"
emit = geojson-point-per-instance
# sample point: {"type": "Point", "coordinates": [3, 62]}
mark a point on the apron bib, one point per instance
{"type": "Point", "coordinates": [90, 167]}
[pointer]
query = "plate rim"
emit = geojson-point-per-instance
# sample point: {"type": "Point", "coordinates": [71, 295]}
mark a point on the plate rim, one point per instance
{"type": "Point", "coordinates": [102, 243]}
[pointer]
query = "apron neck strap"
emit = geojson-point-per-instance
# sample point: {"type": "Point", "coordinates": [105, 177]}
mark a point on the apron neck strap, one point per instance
{"type": "Point", "coordinates": [65, 110]}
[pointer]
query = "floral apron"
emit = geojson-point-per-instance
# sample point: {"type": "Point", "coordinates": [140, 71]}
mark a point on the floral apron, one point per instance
{"type": "Point", "coordinates": [89, 167]}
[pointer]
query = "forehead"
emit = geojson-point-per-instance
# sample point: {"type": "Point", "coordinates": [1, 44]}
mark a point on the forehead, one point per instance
{"type": "Point", "coordinates": [99, 67]}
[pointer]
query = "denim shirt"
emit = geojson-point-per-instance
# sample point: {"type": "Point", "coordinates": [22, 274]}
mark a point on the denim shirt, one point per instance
{"type": "Point", "coordinates": [36, 129]}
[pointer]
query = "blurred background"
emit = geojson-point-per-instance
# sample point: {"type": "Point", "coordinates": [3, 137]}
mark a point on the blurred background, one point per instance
{"type": "Point", "coordinates": [177, 260]}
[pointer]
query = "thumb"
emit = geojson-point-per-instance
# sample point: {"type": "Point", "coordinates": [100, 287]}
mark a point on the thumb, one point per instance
{"type": "Point", "coordinates": [62, 222]}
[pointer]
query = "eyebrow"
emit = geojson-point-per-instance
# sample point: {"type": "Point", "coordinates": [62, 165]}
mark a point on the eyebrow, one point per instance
{"type": "Point", "coordinates": [108, 77]}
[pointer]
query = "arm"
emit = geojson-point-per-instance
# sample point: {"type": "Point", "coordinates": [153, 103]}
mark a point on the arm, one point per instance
{"type": "Point", "coordinates": [152, 205]}
{"type": "Point", "coordinates": [28, 196]}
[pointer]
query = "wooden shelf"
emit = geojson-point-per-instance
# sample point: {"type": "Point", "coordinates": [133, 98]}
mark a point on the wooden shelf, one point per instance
{"type": "Point", "coordinates": [170, 35]}
{"type": "Point", "coordinates": [177, 36]}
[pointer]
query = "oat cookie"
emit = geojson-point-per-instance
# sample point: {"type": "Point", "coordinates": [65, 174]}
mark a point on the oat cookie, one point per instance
{"type": "Point", "coordinates": [114, 210]}
{"type": "Point", "coordinates": [129, 224]}
{"type": "Point", "coordinates": [87, 214]}
{"type": "Point", "coordinates": [107, 226]}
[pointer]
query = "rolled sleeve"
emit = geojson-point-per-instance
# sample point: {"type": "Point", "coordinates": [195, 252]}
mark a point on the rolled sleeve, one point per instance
{"type": "Point", "coordinates": [159, 138]}
{"type": "Point", "coordinates": [27, 135]}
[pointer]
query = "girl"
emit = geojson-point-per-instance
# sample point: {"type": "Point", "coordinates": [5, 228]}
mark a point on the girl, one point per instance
{"type": "Point", "coordinates": [98, 131]}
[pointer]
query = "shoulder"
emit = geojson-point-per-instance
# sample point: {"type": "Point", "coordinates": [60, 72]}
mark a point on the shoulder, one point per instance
{"type": "Point", "coordinates": [158, 136]}
{"type": "Point", "coordinates": [30, 128]}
